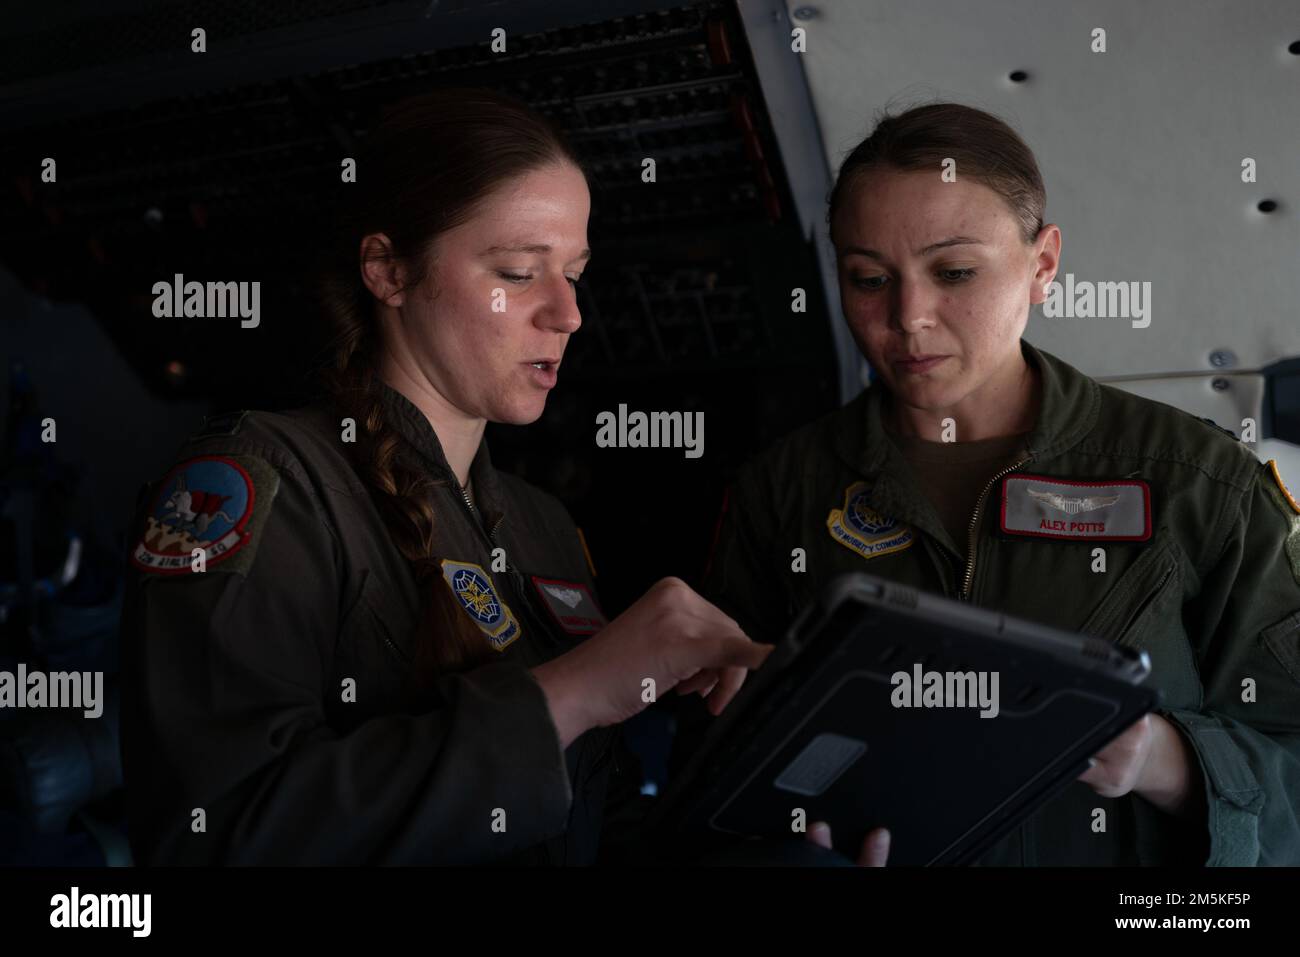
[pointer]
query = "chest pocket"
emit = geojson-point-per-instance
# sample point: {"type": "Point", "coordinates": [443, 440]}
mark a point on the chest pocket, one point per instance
{"type": "Point", "coordinates": [382, 673]}
{"type": "Point", "coordinates": [1143, 611]}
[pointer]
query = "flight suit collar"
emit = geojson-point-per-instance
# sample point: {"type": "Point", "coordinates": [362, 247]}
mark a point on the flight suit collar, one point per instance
{"type": "Point", "coordinates": [1070, 405]}
{"type": "Point", "coordinates": [1067, 411]}
{"type": "Point", "coordinates": [1068, 408]}
{"type": "Point", "coordinates": [415, 427]}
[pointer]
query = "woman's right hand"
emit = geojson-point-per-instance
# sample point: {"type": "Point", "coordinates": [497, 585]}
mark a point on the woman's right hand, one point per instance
{"type": "Point", "coordinates": [670, 636]}
{"type": "Point", "coordinates": [875, 846]}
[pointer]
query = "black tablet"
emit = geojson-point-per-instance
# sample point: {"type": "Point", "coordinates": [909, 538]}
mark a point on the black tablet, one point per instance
{"type": "Point", "coordinates": [886, 706]}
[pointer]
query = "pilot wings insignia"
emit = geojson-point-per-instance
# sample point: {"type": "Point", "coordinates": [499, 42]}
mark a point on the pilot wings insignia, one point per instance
{"type": "Point", "coordinates": [571, 604]}
{"type": "Point", "coordinates": [1091, 510]}
{"type": "Point", "coordinates": [1071, 505]}
{"type": "Point", "coordinates": [570, 596]}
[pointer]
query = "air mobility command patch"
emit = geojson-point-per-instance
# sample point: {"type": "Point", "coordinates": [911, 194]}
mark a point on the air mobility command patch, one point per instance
{"type": "Point", "coordinates": [1043, 507]}
{"type": "Point", "coordinates": [859, 527]}
{"type": "Point", "coordinates": [473, 588]}
{"type": "Point", "coordinates": [215, 504]}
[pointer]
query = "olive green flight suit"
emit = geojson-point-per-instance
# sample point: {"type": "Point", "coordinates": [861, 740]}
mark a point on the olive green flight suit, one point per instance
{"type": "Point", "coordinates": [270, 711]}
{"type": "Point", "coordinates": [1212, 593]}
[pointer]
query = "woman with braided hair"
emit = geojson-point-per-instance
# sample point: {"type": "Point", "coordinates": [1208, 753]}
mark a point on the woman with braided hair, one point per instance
{"type": "Point", "coordinates": [382, 649]}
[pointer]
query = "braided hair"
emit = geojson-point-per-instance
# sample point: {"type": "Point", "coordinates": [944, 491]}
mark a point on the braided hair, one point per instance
{"type": "Point", "coordinates": [423, 170]}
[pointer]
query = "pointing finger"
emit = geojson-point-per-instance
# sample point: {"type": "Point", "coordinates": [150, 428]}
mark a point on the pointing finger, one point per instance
{"type": "Point", "coordinates": [875, 849]}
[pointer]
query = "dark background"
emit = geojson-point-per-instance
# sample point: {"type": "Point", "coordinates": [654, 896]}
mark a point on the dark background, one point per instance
{"type": "Point", "coordinates": [226, 165]}
{"type": "Point", "coordinates": [213, 173]}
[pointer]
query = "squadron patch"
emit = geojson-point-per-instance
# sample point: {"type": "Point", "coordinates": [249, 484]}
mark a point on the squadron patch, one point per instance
{"type": "Point", "coordinates": [571, 604]}
{"type": "Point", "coordinates": [1043, 507]}
{"type": "Point", "coordinates": [1281, 487]}
{"type": "Point", "coordinates": [211, 502]}
{"type": "Point", "coordinates": [1285, 501]}
{"type": "Point", "coordinates": [473, 588]}
{"type": "Point", "coordinates": [859, 527]}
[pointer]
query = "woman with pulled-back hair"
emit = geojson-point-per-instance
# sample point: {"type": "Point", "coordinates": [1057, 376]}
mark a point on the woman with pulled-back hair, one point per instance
{"type": "Point", "coordinates": [350, 639]}
{"type": "Point", "coordinates": [981, 468]}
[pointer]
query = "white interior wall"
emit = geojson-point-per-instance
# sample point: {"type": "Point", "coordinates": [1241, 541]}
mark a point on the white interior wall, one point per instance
{"type": "Point", "coordinates": [1141, 150]}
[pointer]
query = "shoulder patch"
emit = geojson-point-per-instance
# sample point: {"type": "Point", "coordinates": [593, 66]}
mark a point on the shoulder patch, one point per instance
{"type": "Point", "coordinates": [1281, 487]}
{"type": "Point", "coordinates": [1285, 501]}
{"type": "Point", "coordinates": [582, 540]}
{"type": "Point", "coordinates": [473, 588]}
{"type": "Point", "coordinates": [217, 503]}
{"type": "Point", "coordinates": [222, 423]}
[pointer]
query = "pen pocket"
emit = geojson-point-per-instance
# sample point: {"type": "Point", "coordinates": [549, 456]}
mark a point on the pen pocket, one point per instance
{"type": "Point", "coordinates": [1144, 611]}
{"type": "Point", "coordinates": [1124, 613]}
{"type": "Point", "coordinates": [1131, 631]}
{"type": "Point", "coordinates": [370, 624]}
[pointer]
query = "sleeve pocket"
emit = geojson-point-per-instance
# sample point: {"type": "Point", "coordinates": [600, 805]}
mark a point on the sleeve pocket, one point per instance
{"type": "Point", "coordinates": [1117, 617]}
{"type": "Point", "coordinates": [1233, 793]}
{"type": "Point", "coordinates": [1283, 640]}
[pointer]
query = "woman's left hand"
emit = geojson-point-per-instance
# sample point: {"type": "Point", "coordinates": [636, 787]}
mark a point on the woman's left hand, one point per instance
{"type": "Point", "coordinates": [1151, 759]}
{"type": "Point", "coordinates": [1118, 768]}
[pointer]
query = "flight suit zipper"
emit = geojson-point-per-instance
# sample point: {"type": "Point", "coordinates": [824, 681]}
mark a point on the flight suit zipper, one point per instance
{"type": "Point", "coordinates": [968, 580]}
{"type": "Point", "coordinates": [492, 532]}
{"type": "Point", "coordinates": [973, 532]}
{"type": "Point", "coordinates": [546, 850]}
{"type": "Point", "coordinates": [515, 575]}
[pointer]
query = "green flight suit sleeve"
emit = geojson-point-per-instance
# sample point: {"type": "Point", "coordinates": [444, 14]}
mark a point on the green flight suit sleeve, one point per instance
{"type": "Point", "coordinates": [742, 576]}
{"type": "Point", "coordinates": [624, 809]}
{"type": "Point", "coordinates": [228, 671]}
{"type": "Point", "coordinates": [741, 580]}
{"type": "Point", "coordinates": [623, 838]}
{"type": "Point", "coordinates": [1245, 627]}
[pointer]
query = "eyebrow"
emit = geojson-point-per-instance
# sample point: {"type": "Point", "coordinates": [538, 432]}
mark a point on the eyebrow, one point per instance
{"type": "Point", "coordinates": [942, 244]}
{"type": "Point", "coordinates": [541, 248]}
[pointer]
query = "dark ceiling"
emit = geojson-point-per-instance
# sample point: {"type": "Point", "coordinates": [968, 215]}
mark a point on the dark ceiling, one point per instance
{"type": "Point", "coordinates": [235, 180]}
{"type": "Point", "coordinates": [225, 164]}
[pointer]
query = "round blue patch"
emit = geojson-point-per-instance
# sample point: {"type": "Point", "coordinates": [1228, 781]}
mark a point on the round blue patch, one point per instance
{"type": "Point", "coordinates": [205, 503]}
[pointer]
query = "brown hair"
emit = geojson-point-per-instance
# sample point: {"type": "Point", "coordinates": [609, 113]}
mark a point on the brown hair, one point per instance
{"type": "Point", "coordinates": [984, 147]}
{"type": "Point", "coordinates": [424, 169]}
